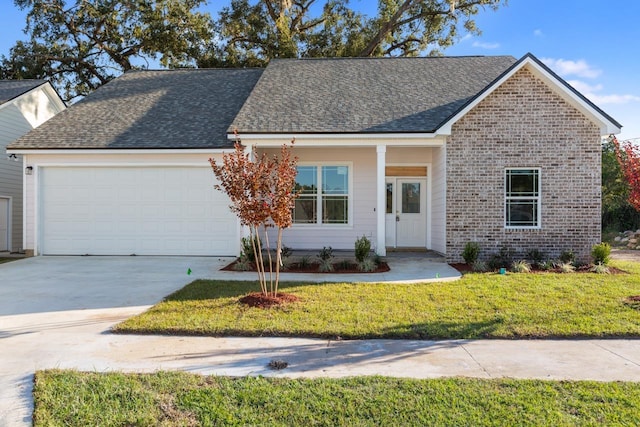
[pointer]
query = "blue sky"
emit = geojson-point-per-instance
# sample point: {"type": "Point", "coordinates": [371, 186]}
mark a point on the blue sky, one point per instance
{"type": "Point", "coordinates": [594, 45]}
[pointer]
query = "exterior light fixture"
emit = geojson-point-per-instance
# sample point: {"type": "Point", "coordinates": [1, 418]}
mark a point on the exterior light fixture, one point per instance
{"type": "Point", "coordinates": [28, 170]}
{"type": "Point", "coordinates": [12, 157]}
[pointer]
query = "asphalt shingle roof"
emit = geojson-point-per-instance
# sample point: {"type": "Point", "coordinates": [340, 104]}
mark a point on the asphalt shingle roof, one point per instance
{"type": "Point", "coordinates": [150, 109]}
{"type": "Point", "coordinates": [10, 89]}
{"type": "Point", "coordinates": [364, 95]}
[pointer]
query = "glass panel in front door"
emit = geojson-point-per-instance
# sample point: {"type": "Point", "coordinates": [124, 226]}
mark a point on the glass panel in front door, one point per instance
{"type": "Point", "coordinates": [410, 197]}
{"type": "Point", "coordinates": [389, 197]}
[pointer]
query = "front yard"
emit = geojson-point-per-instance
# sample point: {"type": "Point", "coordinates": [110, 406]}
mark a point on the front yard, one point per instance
{"type": "Point", "coordinates": [544, 305]}
{"type": "Point", "coordinates": [81, 399]}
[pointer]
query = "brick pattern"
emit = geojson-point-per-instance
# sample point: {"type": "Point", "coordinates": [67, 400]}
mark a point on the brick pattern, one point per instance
{"type": "Point", "coordinates": [524, 124]}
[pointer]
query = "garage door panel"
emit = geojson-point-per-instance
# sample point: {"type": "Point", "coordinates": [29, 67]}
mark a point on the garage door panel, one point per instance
{"type": "Point", "coordinates": [144, 211]}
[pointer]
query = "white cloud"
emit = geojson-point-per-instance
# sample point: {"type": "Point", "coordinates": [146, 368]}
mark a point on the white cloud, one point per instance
{"type": "Point", "coordinates": [590, 91]}
{"type": "Point", "coordinates": [584, 87]}
{"type": "Point", "coordinates": [486, 45]}
{"type": "Point", "coordinates": [538, 32]}
{"type": "Point", "coordinates": [567, 67]}
{"type": "Point", "coordinates": [466, 37]}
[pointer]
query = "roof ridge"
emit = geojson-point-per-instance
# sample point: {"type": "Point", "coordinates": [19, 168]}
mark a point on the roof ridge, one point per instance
{"type": "Point", "coordinates": [388, 58]}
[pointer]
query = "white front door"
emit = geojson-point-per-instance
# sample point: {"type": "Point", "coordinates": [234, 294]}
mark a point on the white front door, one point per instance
{"type": "Point", "coordinates": [406, 218]}
{"type": "Point", "coordinates": [4, 224]}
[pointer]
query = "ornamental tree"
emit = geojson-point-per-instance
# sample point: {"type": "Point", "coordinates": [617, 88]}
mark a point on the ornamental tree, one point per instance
{"type": "Point", "coordinates": [628, 156]}
{"type": "Point", "coordinates": [261, 189]}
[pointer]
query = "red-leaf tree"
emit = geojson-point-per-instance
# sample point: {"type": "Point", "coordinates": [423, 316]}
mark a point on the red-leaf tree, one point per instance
{"type": "Point", "coordinates": [628, 156]}
{"type": "Point", "coordinates": [261, 189]}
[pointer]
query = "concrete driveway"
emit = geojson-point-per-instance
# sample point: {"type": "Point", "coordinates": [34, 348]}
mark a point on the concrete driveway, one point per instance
{"type": "Point", "coordinates": [55, 312]}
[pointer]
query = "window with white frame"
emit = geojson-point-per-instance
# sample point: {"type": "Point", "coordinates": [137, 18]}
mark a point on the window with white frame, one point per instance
{"type": "Point", "coordinates": [522, 198]}
{"type": "Point", "coordinates": [324, 195]}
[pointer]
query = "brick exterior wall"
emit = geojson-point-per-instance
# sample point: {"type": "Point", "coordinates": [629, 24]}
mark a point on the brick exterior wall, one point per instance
{"type": "Point", "coordinates": [523, 123]}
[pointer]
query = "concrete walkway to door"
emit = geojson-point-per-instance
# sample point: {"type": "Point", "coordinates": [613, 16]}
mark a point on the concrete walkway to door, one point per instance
{"type": "Point", "coordinates": [56, 312]}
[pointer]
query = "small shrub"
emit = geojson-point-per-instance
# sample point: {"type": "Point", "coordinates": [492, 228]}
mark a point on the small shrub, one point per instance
{"type": "Point", "coordinates": [326, 266]}
{"type": "Point", "coordinates": [285, 251]}
{"type": "Point", "coordinates": [600, 269]}
{"type": "Point", "coordinates": [471, 252]}
{"type": "Point", "coordinates": [304, 261]}
{"type": "Point", "coordinates": [243, 264]}
{"type": "Point", "coordinates": [285, 263]}
{"type": "Point", "coordinates": [363, 247]}
{"type": "Point", "coordinates": [377, 259]}
{"type": "Point", "coordinates": [344, 265]}
{"type": "Point", "coordinates": [521, 266]}
{"type": "Point", "coordinates": [566, 267]}
{"type": "Point", "coordinates": [367, 265]}
{"type": "Point", "coordinates": [601, 253]}
{"type": "Point", "coordinates": [480, 267]}
{"type": "Point", "coordinates": [547, 266]}
{"type": "Point", "coordinates": [502, 259]}
{"type": "Point", "coordinates": [567, 257]}
{"type": "Point", "coordinates": [536, 256]}
{"type": "Point", "coordinates": [246, 248]}
{"type": "Point", "coordinates": [325, 254]}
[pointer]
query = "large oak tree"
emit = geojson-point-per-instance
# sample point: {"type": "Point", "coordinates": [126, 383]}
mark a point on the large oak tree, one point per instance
{"type": "Point", "coordinates": [254, 32]}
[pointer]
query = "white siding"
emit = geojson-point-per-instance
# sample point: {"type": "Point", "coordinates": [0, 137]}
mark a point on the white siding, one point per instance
{"type": "Point", "coordinates": [408, 156]}
{"type": "Point", "coordinates": [363, 204]}
{"type": "Point", "coordinates": [39, 105]}
{"type": "Point", "coordinates": [12, 126]}
{"type": "Point", "coordinates": [17, 117]}
{"type": "Point", "coordinates": [438, 200]}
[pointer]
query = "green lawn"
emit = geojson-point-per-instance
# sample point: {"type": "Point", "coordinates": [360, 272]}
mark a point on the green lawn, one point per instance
{"type": "Point", "coordinates": [8, 259]}
{"type": "Point", "coordinates": [69, 398]}
{"type": "Point", "coordinates": [546, 305]}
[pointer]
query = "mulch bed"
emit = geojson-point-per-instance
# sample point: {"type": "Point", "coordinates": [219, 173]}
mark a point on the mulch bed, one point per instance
{"type": "Point", "coordinates": [257, 299]}
{"type": "Point", "coordinates": [465, 268]}
{"type": "Point", "coordinates": [383, 267]}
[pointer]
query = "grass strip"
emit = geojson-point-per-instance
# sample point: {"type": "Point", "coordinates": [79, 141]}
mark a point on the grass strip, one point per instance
{"type": "Point", "coordinates": [70, 398]}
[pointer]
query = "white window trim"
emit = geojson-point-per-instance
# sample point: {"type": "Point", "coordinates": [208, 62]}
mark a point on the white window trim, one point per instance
{"type": "Point", "coordinates": [538, 197]}
{"type": "Point", "coordinates": [319, 198]}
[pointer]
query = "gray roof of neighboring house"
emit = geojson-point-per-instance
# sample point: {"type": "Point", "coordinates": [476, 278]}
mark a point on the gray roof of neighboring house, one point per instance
{"type": "Point", "coordinates": [184, 108]}
{"type": "Point", "coordinates": [10, 89]}
{"type": "Point", "coordinates": [362, 95]}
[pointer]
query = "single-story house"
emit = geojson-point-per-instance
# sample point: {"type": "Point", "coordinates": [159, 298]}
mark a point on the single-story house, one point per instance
{"type": "Point", "coordinates": [422, 153]}
{"type": "Point", "coordinates": [24, 105]}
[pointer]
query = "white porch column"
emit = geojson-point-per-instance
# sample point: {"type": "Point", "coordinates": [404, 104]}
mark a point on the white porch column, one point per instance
{"type": "Point", "coordinates": [381, 199]}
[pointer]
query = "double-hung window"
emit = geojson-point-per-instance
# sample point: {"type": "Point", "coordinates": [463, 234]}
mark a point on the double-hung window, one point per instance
{"type": "Point", "coordinates": [324, 195]}
{"type": "Point", "coordinates": [522, 198]}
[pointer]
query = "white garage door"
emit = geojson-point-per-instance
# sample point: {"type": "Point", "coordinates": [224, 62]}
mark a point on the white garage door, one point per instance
{"type": "Point", "coordinates": [141, 210]}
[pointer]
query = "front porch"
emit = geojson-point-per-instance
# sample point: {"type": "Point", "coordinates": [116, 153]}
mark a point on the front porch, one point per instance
{"type": "Point", "coordinates": [393, 194]}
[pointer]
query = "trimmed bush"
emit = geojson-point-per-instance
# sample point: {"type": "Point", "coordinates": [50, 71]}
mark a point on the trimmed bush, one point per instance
{"type": "Point", "coordinates": [601, 253]}
{"type": "Point", "coordinates": [367, 265]}
{"type": "Point", "coordinates": [567, 257]}
{"type": "Point", "coordinates": [363, 247]}
{"type": "Point", "coordinates": [521, 266]}
{"type": "Point", "coordinates": [471, 252]}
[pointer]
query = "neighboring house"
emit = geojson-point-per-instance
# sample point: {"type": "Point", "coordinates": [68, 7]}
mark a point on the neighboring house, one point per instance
{"type": "Point", "coordinates": [24, 105]}
{"type": "Point", "coordinates": [418, 153]}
